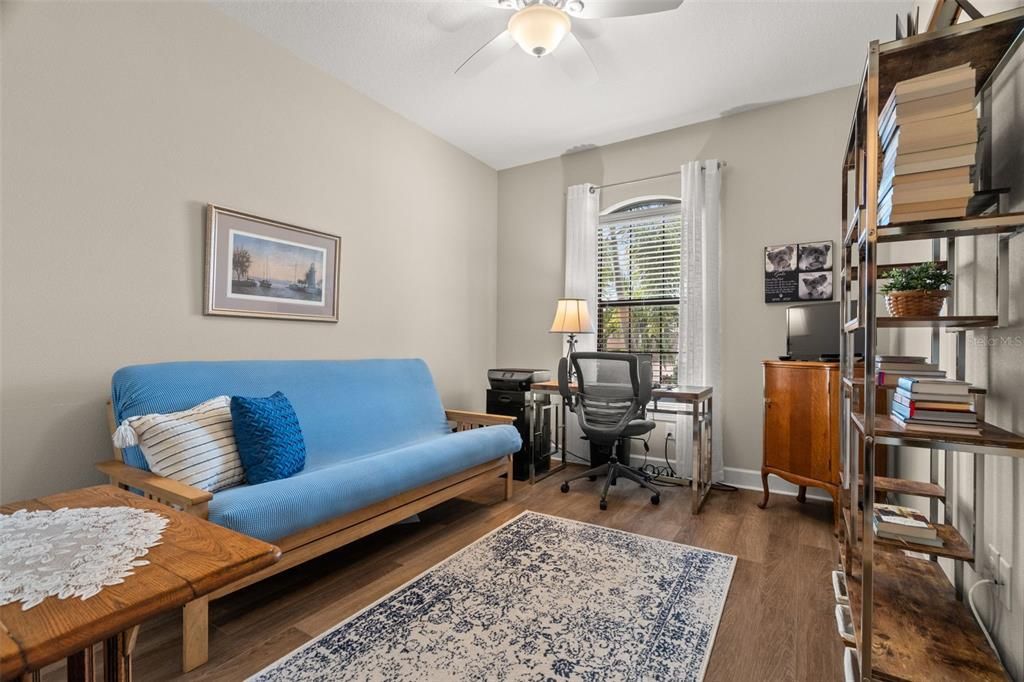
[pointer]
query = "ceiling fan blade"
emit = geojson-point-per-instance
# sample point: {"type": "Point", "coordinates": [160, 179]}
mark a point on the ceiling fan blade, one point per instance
{"type": "Point", "coordinates": [486, 55]}
{"type": "Point", "coordinates": [574, 60]}
{"type": "Point", "coordinates": [604, 9]}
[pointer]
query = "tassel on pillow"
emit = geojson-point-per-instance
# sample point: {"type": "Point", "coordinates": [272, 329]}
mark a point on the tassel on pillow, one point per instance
{"type": "Point", "coordinates": [125, 436]}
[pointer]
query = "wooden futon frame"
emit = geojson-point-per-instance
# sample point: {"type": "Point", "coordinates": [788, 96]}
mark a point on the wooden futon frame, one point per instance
{"type": "Point", "coordinates": [311, 542]}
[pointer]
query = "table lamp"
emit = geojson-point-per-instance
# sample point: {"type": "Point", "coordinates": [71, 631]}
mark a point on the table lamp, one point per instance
{"type": "Point", "coordinates": [572, 317]}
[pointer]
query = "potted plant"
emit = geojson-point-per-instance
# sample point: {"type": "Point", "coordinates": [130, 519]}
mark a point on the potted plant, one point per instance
{"type": "Point", "coordinates": [916, 291]}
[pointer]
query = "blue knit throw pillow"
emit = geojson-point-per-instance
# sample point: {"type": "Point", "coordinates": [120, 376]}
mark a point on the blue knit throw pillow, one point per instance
{"type": "Point", "coordinates": [269, 439]}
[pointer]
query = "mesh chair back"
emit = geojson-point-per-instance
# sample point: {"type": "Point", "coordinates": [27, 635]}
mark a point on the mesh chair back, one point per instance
{"type": "Point", "coordinates": [610, 392]}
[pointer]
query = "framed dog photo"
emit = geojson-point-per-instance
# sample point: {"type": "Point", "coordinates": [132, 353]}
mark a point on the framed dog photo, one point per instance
{"type": "Point", "coordinates": [798, 272]}
{"type": "Point", "coordinates": [257, 267]}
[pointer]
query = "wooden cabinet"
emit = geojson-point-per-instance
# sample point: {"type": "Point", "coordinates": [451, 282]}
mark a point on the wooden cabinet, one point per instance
{"type": "Point", "coordinates": [801, 426]}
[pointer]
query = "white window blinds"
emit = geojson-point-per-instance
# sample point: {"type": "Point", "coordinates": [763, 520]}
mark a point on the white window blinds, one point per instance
{"type": "Point", "coordinates": [638, 251]}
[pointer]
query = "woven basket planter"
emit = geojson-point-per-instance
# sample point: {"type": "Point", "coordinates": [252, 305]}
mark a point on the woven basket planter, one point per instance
{"type": "Point", "coordinates": [915, 303]}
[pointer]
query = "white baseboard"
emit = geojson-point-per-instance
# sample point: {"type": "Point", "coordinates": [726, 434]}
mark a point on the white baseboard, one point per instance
{"type": "Point", "coordinates": [749, 479]}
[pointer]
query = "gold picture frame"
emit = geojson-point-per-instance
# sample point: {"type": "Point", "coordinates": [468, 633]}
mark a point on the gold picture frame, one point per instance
{"type": "Point", "coordinates": [259, 267]}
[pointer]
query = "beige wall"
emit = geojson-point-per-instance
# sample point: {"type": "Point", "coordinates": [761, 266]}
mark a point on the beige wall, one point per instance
{"type": "Point", "coordinates": [120, 122]}
{"type": "Point", "coordinates": [780, 186]}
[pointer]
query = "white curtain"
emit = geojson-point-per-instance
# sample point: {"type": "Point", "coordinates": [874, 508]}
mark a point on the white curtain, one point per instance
{"type": "Point", "coordinates": [582, 211]}
{"type": "Point", "coordinates": [700, 342]}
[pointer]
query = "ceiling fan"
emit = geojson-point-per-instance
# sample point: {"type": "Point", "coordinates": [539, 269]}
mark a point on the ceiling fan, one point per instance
{"type": "Point", "coordinates": [540, 27]}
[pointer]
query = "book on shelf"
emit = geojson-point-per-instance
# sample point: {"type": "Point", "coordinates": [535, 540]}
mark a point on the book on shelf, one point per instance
{"type": "Point", "coordinates": [893, 366]}
{"type": "Point", "coordinates": [890, 369]}
{"type": "Point", "coordinates": [944, 404]}
{"type": "Point", "coordinates": [932, 133]}
{"type": "Point", "coordinates": [951, 157]}
{"type": "Point", "coordinates": [935, 429]}
{"type": "Point", "coordinates": [891, 379]}
{"type": "Point", "coordinates": [946, 178]}
{"type": "Point", "coordinates": [931, 160]}
{"type": "Point", "coordinates": [913, 413]}
{"type": "Point", "coordinates": [900, 358]}
{"type": "Point", "coordinates": [930, 542]}
{"type": "Point", "coordinates": [928, 130]}
{"type": "Point", "coordinates": [906, 521]}
{"type": "Point", "coordinates": [914, 385]}
{"type": "Point", "coordinates": [931, 85]}
{"type": "Point", "coordinates": [936, 106]}
{"type": "Point", "coordinates": [888, 217]}
{"type": "Point", "coordinates": [929, 195]}
{"type": "Point", "coordinates": [935, 397]}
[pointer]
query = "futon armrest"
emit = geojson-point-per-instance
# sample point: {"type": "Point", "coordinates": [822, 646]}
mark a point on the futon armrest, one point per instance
{"type": "Point", "coordinates": [465, 419]}
{"type": "Point", "coordinates": [191, 499]}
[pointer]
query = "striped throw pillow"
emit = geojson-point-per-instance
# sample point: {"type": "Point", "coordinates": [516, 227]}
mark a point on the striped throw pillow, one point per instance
{"type": "Point", "coordinates": [196, 446]}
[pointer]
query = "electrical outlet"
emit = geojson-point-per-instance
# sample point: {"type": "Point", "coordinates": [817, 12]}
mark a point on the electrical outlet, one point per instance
{"type": "Point", "coordinates": [993, 561]}
{"type": "Point", "coordinates": [1003, 574]}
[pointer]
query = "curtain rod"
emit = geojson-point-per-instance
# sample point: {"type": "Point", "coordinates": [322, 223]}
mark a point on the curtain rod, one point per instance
{"type": "Point", "coordinates": [721, 164]}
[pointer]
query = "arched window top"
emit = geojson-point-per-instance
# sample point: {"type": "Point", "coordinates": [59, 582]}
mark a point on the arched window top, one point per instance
{"type": "Point", "coordinates": [656, 203]}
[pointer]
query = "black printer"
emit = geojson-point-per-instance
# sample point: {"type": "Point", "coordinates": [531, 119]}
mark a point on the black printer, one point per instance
{"type": "Point", "coordinates": [510, 395]}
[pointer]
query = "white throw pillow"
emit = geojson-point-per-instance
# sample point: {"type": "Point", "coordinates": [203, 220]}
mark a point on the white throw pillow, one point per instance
{"type": "Point", "coordinates": [196, 446]}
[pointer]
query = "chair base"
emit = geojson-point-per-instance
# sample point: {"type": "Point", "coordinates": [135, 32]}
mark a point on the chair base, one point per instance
{"type": "Point", "coordinates": [613, 468]}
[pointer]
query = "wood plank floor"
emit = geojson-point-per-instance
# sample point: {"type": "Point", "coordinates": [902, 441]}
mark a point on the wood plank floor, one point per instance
{"type": "Point", "coordinates": [778, 622]}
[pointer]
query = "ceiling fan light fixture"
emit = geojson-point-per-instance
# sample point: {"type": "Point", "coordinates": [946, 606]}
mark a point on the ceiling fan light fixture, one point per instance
{"type": "Point", "coordinates": [539, 28]}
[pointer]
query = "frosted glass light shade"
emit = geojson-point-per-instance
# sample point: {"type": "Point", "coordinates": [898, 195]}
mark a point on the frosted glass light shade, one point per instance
{"type": "Point", "coordinates": [572, 317]}
{"type": "Point", "coordinates": [538, 29]}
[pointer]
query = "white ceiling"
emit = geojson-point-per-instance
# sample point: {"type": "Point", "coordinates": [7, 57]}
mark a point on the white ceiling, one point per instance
{"type": "Point", "coordinates": [704, 60]}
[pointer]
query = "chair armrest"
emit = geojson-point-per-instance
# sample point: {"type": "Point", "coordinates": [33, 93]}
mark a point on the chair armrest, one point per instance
{"type": "Point", "coordinates": [465, 419]}
{"type": "Point", "coordinates": [191, 499]}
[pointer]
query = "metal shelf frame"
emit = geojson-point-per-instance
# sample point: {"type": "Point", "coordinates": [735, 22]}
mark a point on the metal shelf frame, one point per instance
{"type": "Point", "coordinates": [987, 43]}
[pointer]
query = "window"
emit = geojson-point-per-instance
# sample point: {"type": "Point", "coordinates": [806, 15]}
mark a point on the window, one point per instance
{"type": "Point", "coordinates": [638, 251]}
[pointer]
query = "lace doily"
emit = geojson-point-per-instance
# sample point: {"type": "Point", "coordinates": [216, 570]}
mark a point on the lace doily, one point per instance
{"type": "Point", "coordinates": [72, 552]}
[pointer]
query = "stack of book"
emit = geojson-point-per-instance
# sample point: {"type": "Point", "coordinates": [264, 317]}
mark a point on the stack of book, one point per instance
{"type": "Point", "coordinates": [934, 405]}
{"type": "Point", "coordinates": [889, 369]}
{"type": "Point", "coordinates": [904, 524]}
{"type": "Point", "coordinates": [929, 134]}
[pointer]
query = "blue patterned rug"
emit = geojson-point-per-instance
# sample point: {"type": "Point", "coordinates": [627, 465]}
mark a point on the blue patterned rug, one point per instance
{"type": "Point", "coordinates": [540, 598]}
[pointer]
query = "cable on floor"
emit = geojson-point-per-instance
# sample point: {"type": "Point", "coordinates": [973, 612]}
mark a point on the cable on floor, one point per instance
{"type": "Point", "coordinates": [977, 616]}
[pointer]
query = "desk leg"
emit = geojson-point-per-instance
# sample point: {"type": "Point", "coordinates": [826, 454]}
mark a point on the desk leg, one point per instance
{"type": "Point", "coordinates": [697, 455]}
{"type": "Point", "coordinates": [80, 666]}
{"type": "Point", "coordinates": [703, 444]}
{"type": "Point", "coordinates": [117, 656]}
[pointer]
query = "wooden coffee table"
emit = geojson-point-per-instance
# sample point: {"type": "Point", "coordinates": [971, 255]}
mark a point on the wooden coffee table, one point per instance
{"type": "Point", "coordinates": [195, 557]}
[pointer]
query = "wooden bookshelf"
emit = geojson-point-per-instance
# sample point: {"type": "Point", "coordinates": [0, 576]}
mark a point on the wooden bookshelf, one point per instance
{"type": "Point", "coordinates": [914, 626]}
{"type": "Point", "coordinates": [947, 228]}
{"type": "Point", "coordinates": [990, 437]}
{"type": "Point", "coordinates": [921, 630]}
{"type": "Point", "coordinates": [903, 486]}
{"type": "Point", "coordinates": [953, 544]}
{"type": "Point", "coordinates": [896, 266]}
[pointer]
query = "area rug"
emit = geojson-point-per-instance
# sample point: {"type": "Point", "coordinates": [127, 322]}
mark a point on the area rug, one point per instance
{"type": "Point", "coordinates": [539, 598]}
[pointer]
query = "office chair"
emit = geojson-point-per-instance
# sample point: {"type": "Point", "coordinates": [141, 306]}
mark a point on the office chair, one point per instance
{"type": "Point", "coordinates": [612, 392]}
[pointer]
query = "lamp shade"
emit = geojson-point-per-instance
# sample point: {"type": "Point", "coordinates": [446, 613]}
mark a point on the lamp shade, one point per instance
{"type": "Point", "coordinates": [572, 317]}
{"type": "Point", "coordinates": [539, 28]}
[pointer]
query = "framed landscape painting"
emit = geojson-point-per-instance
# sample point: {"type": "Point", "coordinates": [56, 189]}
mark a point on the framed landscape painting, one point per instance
{"type": "Point", "coordinates": [257, 267]}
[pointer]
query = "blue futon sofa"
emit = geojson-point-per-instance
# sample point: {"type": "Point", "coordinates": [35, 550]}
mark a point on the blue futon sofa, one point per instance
{"type": "Point", "coordinates": [379, 448]}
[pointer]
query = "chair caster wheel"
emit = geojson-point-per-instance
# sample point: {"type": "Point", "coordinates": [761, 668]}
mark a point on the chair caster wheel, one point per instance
{"type": "Point", "coordinates": [591, 478]}
{"type": "Point", "coordinates": [655, 500]}
{"type": "Point", "coordinates": [565, 487]}
{"type": "Point", "coordinates": [604, 504]}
